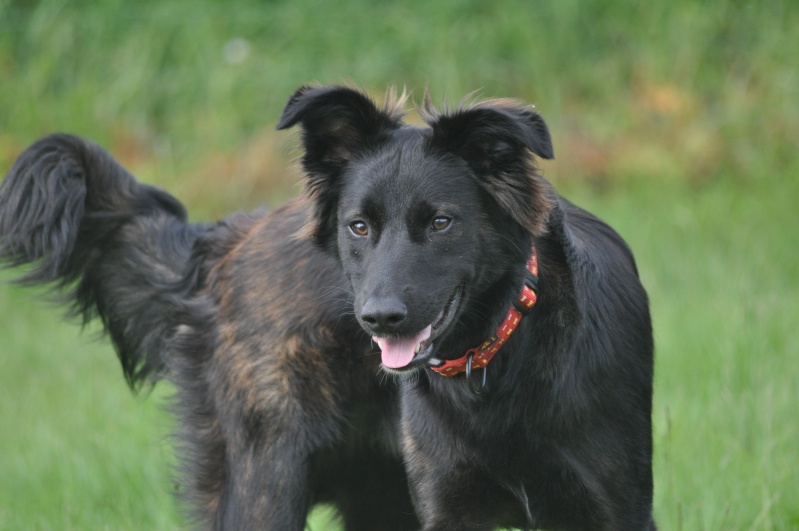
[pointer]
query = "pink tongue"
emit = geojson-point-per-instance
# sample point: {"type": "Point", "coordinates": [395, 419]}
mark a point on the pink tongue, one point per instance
{"type": "Point", "coordinates": [399, 352]}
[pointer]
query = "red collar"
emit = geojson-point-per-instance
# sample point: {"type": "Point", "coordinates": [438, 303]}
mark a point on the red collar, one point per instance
{"type": "Point", "coordinates": [478, 357]}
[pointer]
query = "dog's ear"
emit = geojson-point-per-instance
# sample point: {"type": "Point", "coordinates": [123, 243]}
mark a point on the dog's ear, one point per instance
{"type": "Point", "coordinates": [337, 124]}
{"type": "Point", "coordinates": [498, 139]}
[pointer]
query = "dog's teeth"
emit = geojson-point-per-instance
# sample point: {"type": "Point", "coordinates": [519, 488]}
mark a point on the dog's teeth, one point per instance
{"type": "Point", "coordinates": [418, 348]}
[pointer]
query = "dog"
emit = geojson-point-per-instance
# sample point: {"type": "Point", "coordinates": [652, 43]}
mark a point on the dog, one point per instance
{"type": "Point", "coordinates": [430, 337]}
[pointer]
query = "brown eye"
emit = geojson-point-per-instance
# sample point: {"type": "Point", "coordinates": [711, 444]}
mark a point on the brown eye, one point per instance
{"type": "Point", "coordinates": [359, 228]}
{"type": "Point", "coordinates": [441, 223]}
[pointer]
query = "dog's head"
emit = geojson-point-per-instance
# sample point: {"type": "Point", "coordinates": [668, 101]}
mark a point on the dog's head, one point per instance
{"type": "Point", "coordinates": [425, 220]}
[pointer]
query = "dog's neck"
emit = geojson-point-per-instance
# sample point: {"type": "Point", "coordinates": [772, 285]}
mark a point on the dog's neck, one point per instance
{"type": "Point", "coordinates": [480, 356]}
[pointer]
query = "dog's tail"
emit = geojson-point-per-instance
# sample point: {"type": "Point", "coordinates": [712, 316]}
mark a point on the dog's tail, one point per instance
{"type": "Point", "coordinates": [115, 248]}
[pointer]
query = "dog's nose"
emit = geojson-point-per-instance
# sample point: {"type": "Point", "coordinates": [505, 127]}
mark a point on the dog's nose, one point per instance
{"type": "Point", "coordinates": [384, 315]}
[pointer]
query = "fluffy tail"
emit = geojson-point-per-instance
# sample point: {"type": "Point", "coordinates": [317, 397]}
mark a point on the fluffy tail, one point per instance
{"type": "Point", "coordinates": [114, 247]}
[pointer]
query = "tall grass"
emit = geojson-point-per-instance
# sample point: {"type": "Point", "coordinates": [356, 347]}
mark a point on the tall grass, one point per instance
{"type": "Point", "coordinates": [675, 121]}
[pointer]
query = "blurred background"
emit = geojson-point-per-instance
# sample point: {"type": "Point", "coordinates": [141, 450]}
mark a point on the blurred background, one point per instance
{"type": "Point", "coordinates": [677, 122]}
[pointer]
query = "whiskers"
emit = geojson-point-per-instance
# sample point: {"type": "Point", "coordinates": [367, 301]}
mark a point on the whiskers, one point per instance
{"type": "Point", "coordinates": [342, 288]}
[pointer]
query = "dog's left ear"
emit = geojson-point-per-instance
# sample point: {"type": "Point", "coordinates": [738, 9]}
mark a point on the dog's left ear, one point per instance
{"type": "Point", "coordinates": [338, 123]}
{"type": "Point", "coordinates": [498, 139]}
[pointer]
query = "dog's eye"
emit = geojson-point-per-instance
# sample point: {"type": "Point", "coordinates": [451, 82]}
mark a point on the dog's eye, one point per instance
{"type": "Point", "coordinates": [440, 223]}
{"type": "Point", "coordinates": [359, 228]}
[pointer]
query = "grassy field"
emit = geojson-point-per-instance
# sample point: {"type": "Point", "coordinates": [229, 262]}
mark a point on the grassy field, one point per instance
{"type": "Point", "coordinates": [676, 122]}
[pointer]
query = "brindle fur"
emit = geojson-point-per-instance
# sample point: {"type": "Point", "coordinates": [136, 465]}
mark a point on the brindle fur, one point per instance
{"type": "Point", "coordinates": [258, 320]}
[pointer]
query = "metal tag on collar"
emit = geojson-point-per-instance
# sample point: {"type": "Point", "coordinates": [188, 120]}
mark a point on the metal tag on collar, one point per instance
{"type": "Point", "coordinates": [476, 390]}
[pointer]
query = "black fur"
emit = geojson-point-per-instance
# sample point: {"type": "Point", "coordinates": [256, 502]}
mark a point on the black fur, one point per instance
{"type": "Point", "coordinates": [263, 323]}
{"type": "Point", "coordinates": [117, 247]}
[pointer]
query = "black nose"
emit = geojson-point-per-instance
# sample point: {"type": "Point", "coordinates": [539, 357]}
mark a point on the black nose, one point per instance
{"type": "Point", "coordinates": [384, 315]}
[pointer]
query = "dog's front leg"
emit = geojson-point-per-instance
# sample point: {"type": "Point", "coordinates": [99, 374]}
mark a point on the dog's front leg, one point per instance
{"type": "Point", "coordinates": [274, 413]}
{"type": "Point", "coordinates": [452, 487]}
{"type": "Point", "coordinates": [451, 495]}
{"type": "Point", "coordinates": [267, 487]}
{"type": "Point", "coordinates": [467, 503]}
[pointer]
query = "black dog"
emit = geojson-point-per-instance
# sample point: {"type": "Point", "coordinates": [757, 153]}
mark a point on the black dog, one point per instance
{"type": "Point", "coordinates": [515, 322]}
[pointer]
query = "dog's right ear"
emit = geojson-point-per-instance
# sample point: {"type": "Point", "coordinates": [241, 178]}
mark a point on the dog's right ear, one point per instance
{"type": "Point", "coordinates": [337, 124]}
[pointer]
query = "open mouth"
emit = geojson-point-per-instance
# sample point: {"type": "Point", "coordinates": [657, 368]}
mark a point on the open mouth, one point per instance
{"type": "Point", "coordinates": [399, 353]}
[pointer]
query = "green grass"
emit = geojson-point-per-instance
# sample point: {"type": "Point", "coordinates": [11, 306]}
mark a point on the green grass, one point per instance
{"type": "Point", "coordinates": [675, 121]}
{"type": "Point", "coordinates": [79, 452]}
